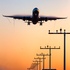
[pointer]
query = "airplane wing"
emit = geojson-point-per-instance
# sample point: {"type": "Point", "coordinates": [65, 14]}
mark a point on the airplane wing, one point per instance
{"type": "Point", "coordinates": [46, 18]}
{"type": "Point", "coordinates": [23, 17]}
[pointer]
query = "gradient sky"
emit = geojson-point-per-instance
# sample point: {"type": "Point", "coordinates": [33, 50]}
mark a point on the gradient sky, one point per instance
{"type": "Point", "coordinates": [20, 43]}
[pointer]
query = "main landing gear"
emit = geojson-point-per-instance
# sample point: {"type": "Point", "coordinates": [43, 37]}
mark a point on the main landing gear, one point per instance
{"type": "Point", "coordinates": [28, 23]}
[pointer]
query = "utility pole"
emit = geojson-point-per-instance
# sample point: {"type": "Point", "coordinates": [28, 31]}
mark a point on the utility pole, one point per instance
{"type": "Point", "coordinates": [64, 43]}
{"type": "Point", "coordinates": [49, 54]}
{"type": "Point", "coordinates": [37, 63]}
{"type": "Point", "coordinates": [43, 57]}
{"type": "Point", "coordinates": [40, 62]}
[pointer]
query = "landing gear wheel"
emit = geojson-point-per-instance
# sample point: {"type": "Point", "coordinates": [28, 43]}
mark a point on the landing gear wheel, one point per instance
{"type": "Point", "coordinates": [40, 23]}
{"type": "Point", "coordinates": [28, 23]}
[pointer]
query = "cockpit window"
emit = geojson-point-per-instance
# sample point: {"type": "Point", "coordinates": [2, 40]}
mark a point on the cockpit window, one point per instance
{"type": "Point", "coordinates": [35, 9]}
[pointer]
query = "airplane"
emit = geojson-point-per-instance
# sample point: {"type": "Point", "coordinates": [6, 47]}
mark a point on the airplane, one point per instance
{"type": "Point", "coordinates": [34, 18]}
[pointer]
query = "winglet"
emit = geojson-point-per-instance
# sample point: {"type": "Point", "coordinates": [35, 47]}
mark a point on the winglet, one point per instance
{"type": "Point", "coordinates": [62, 18]}
{"type": "Point", "coordinates": [3, 15]}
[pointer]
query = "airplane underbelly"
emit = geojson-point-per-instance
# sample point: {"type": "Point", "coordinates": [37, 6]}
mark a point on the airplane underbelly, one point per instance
{"type": "Point", "coordinates": [35, 20]}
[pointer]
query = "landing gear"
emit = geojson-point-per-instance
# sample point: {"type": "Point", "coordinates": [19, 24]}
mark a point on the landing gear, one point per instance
{"type": "Point", "coordinates": [28, 23]}
{"type": "Point", "coordinates": [40, 23]}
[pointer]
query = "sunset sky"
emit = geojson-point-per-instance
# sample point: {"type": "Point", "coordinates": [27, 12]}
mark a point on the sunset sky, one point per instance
{"type": "Point", "coordinates": [19, 43]}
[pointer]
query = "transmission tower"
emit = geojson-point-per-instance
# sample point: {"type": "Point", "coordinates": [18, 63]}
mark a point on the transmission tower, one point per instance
{"type": "Point", "coordinates": [64, 43]}
{"type": "Point", "coordinates": [43, 57]}
{"type": "Point", "coordinates": [39, 61]}
{"type": "Point", "coordinates": [49, 47]}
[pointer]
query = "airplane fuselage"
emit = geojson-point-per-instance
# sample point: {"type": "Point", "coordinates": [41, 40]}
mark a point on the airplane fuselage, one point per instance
{"type": "Point", "coordinates": [35, 15]}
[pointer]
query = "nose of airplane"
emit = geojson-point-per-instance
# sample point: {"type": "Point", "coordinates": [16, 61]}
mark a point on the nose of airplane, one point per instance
{"type": "Point", "coordinates": [36, 10]}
